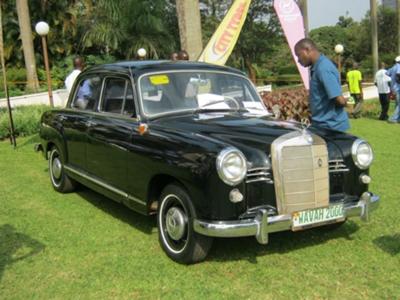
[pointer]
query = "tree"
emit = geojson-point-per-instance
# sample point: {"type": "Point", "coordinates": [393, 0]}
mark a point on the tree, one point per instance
{"type": "Point", "coordinates": [140, 24]}
{"type": "Point", "coordinates": [27, 44]}
{"type": "Point", "coordinates": [188, 12]}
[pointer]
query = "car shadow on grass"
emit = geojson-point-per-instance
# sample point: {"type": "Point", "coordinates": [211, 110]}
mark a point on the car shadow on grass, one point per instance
{"type": "Point", "coordinates": [118, 210]}
{"type": "Point", "coordinates": [16, 246]}
{"type": "Point", "coordinates": [280, 242]}
{"type": "Point", "coordinates": [389, 243]}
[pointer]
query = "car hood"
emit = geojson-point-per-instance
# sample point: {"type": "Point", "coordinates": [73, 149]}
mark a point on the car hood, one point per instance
{"type": "Point", "coordinates": [248, 132]}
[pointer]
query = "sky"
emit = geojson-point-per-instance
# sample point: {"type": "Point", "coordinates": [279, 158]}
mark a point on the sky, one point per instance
{"type": "Point", "coordinates": [327, 12]}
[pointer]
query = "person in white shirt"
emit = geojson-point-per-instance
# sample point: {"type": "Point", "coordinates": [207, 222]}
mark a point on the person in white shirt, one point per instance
{"type": "Point", "coordinates": [79, 65]}
{"type": "Point", "coordinates": [382, 81]}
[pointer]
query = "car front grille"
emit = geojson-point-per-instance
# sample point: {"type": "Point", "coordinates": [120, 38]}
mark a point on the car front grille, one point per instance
{"type": "Point", "coordinates": [300, 169]}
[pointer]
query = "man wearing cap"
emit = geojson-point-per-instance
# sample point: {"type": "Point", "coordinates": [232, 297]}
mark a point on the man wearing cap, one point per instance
{"type": "Point", "coordinates": [394, 73]}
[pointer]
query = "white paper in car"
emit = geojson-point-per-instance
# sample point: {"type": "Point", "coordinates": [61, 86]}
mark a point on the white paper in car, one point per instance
{"type": "Point", "coordinates": [256, 108]}
{"type": "Point", "coordinates": [205, 99]}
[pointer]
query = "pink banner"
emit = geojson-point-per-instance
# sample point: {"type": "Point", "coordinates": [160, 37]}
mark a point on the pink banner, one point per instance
{"type": "Point", "coordinates": [292, 23]}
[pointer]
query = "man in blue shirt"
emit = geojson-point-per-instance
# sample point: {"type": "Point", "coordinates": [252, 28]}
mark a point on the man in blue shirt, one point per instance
{"type": "Point", "coordinates": [326, 100]}
{"type": "Point", "coordinates": [394, 73]}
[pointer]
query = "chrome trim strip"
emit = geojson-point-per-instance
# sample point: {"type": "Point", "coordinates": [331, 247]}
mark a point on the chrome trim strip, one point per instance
{"type": "Point", "coordinates": [259, 174]}
{"type": "Point", "coordinates": [339, 171]}
{"type": "Point", "coordinates": [104, 185]}
{"type": "Point", "coordinates": [268, 180]}
{"type": "Point", "coordinates": [337, 166]}
{"type": "Point", "coordinates": [261, 225]}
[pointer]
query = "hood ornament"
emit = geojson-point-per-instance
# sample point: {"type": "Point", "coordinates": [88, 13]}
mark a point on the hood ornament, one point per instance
{"type": "Point", "coordinates": [305, 124]}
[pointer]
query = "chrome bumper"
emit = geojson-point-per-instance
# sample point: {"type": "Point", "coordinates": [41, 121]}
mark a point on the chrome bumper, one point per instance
{"type": "Point", "coordinates": [262, 225]}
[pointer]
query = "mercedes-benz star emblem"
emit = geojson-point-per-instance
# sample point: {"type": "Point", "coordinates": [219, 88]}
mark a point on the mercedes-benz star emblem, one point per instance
{"type": "Point", "coordinates": [319, 162]}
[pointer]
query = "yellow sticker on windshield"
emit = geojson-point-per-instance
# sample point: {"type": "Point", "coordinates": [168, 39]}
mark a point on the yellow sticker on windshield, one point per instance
{"type": "Point", "coordinates": [159, 79]}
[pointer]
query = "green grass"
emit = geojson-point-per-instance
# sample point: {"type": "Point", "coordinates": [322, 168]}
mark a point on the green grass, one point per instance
{"type": "Point", "coordinates": [84, 246]}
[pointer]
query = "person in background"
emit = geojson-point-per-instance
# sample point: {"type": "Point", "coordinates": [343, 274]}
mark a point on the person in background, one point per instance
{"type": "Point", "coordinates": [174, 56]}
{"type": "Point", "coordinates": [394, 73]}
{"type": "Point", "coordinates": [382, 82]}
{"type": "Point", "coordinates": [354, 79]}
{"type": "Point", "coordinates": [183, 55]}
{"type": "Point", "coordinates": [79, 65]}
{"type": "Point", "coordinates": [326, 100]}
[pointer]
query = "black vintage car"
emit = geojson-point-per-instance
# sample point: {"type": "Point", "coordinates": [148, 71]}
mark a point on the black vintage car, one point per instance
{"type": "Point", "coordinates": [194, 144]}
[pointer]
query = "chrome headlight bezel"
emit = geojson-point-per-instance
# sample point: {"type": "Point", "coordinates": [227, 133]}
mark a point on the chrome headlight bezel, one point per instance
{"type": "Point", "coordinates": [362, 164]}
{"type": "Point", "coordinates": [222, 157]}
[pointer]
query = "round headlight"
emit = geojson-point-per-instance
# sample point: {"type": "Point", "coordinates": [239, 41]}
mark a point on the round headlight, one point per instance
{"type": "Point", "coordinates": [231, 166]}
{"type": "Point", "coordinates": [362, 154]}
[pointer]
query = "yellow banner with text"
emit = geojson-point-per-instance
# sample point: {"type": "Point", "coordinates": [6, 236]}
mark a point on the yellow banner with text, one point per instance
{"type": "Point", "coordinates": [221, 44]}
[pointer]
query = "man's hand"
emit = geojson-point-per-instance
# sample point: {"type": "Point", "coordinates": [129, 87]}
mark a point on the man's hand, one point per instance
{"type": "Point", "coordinates": [341, 101]}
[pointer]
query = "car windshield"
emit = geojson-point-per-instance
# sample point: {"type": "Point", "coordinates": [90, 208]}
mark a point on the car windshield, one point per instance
{"type": "Point", "coordinates": [197, 91]}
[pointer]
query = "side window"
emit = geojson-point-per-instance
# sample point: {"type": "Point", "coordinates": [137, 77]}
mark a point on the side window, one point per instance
{"type": "Point", "coordinates": [87, 93]}
{"type": "Point", "coordinates": [118, 97]}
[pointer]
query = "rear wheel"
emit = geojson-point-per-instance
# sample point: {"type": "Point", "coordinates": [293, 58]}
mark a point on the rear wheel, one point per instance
{"type": "Point", "coordinates": [59, 179]}
{"type": "Point", "coordinates": [175, 227]}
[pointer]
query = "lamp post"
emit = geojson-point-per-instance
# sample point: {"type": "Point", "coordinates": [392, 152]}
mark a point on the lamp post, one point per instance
{"type": "Point", "coordinates": [339, 50]}
{"type": "Point", "coordinates": [42, 28]}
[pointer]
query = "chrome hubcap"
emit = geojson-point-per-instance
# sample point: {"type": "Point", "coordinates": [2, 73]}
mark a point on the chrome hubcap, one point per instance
{"type": "Point", "coordinates": [56, 168]}
{"type": "Point", "coordinates": [176, 223]}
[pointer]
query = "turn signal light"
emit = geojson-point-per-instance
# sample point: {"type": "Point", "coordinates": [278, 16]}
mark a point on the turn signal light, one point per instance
{"type": "Point", "coordinates": [364, 178]}
{"type": "Point", "coordinates": [143, 128]}
{"type": "Point", "coordinates": [235, 196]}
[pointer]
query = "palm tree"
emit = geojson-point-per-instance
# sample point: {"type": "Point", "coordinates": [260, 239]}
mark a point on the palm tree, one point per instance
{"type": "Point", "coordinates": [122, 27]}
{"type": "Point", "coordinates": [27, 44]}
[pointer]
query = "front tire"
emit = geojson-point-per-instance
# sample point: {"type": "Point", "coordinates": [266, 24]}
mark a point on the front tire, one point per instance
{"type": "Point", "coordinates": [59, 179]}
{"type": "Point", "coordinates": [175, 227]}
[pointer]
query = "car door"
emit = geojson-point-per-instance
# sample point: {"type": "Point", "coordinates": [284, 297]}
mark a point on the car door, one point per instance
{"type": "Point", "coordinates": [109, 133]}
{"type": "Point", "coordinates": [76, 119]}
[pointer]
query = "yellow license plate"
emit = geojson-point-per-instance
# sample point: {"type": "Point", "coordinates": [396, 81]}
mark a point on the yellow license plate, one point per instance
{"type": "Point", "coordinates": [317, 215]}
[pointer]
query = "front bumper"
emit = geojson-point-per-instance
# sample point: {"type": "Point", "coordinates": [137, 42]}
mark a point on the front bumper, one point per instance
{"type": "Point", "coordinates": [262, 224]}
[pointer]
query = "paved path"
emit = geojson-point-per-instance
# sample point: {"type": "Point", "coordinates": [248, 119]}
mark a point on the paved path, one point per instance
{"type": "Point", "coordinates": [370, 92]}
{"type": "Point", "coordinates": [60, 98]}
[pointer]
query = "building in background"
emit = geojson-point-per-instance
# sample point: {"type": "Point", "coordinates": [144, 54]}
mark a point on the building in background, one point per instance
{"type": "Point", "coordinates": [389, 3]}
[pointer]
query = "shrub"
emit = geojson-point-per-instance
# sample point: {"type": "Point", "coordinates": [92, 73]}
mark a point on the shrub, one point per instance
{"type": "Point", "coordinates": [26, 120]}
{"type": "Point", "coordinates": [288, 104]}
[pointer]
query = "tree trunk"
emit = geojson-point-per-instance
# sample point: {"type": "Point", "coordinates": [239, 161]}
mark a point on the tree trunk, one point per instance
{"type": "Point", "coordinates": [398, 25]}
{"type": "Point", "coordinates": [251, 70]}
{"type": "Point", "coordinates": [304, 11]}
{"type": "Point", "coordinates": [374, 34]}
{"type": "Point", "coordinates": [190, 27]}
{"type": "Point", "coordinates": [24, 21]}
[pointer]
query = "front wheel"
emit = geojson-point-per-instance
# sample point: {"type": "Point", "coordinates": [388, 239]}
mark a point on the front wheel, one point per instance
{"type": "Point", "coordinates": [175, 227]}
{"type": "Point", "coordinates": [59, 179]}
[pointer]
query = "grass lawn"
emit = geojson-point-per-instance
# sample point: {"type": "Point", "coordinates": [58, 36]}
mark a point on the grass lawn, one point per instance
{"type": "Point", "coordinates": [82, 245]}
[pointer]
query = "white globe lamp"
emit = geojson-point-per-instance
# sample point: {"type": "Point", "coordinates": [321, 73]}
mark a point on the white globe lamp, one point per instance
{"type": "Point", "coordinates": [42, 28]}
{"type": "Point", "coordinates": [141, 53]}
{"type": "Point", "coordinates": [339, 49]}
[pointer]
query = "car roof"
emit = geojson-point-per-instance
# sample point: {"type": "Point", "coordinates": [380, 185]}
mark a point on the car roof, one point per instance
{"type": "Point", "coordinates": [145, 66]}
